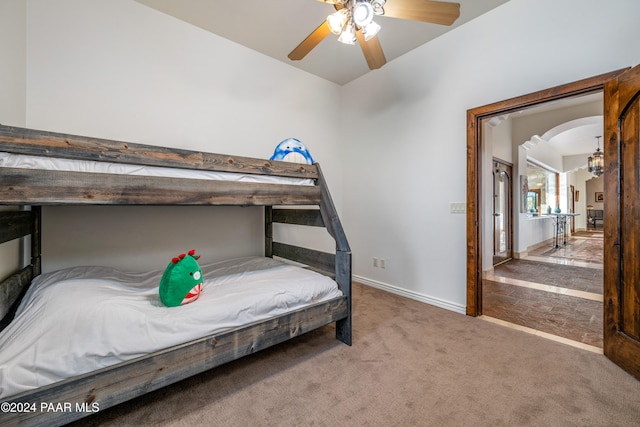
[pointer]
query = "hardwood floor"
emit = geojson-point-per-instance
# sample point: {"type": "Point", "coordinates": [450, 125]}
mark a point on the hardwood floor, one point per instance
{"type": "Point", "coordinates": [555, 292]}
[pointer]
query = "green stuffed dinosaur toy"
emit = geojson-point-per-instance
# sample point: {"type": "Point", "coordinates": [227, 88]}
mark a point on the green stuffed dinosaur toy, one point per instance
{"type": "Point", "coordinates": [181, 282]}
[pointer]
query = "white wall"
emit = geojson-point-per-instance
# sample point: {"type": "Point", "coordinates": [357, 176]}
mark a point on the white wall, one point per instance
{"type": "Point", "coordinates": [412, 162]}
{"type": "Point", "coordinates": [13, 68]}
{"type": "Point", "coordinates": [12, 95]}
{"type": "Point", "coordinates": [594, 185]}
{"type": "Point", "coordinates": [578, 178]}
{"type": "Point", "coordinates": [119, 70]}
{"type": "Point", "coordinates": [501, 140]}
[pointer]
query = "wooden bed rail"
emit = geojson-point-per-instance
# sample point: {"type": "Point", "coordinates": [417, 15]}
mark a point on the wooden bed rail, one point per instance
{"type": "Point", "coordinates": [37, 187]}
{"type": "Point", "coordinates": [15, 225]}
{"type": "Point", "coordinates": [12, 289]}
{"type": "Point", "coordinates": [50, 144]}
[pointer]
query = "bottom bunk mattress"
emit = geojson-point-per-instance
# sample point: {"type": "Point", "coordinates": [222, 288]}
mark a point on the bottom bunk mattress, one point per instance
{"type": "Point", "coordinates": [81, 319]}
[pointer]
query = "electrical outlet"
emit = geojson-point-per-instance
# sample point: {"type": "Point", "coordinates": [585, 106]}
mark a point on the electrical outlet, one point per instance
{"type": "Point", "coordinates": [382, 263]}
{"type": "Point", "coordinates": [375, 262]}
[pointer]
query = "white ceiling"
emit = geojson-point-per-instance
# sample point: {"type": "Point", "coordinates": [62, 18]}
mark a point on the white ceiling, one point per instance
{"type": "Point", "coordinates": [577, 136]}
{"type": "Point", "coordinates": [276, 27]}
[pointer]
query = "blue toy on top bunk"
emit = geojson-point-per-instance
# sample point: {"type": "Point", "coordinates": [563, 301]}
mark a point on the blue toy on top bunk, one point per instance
{"type": "Point", "coordinates": [292, 150]}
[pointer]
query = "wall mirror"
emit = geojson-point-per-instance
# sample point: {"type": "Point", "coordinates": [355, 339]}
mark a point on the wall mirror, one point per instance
{"type": "Point", "coordinates": [542, 189]}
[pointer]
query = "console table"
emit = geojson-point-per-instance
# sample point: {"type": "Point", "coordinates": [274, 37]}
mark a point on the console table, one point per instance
{"type": "Point", "coordinates": [560, 224]}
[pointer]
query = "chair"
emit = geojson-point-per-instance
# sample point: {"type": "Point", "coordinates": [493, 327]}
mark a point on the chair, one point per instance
{"type": "Point", "coordinates": [593, 216]}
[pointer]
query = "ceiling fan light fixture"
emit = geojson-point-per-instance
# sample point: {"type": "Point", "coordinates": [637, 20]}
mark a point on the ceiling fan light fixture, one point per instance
{"type": "Point", "coordinates": [362, 14]}
{"type": "Point", "coordinates": [355, 17]}
{"type": "Point", "coordinates": [348, 35]}
{"type": "Point", "coordinates": [370, 31]}
{"type": "Point", "coordinates": [337, 20]}
{"type": "Point", "coordinates": [378, 6]}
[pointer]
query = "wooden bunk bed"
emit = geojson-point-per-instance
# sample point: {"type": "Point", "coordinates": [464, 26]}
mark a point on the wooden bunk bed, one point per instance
{"type": "Point", "coordinates": [29, 189]}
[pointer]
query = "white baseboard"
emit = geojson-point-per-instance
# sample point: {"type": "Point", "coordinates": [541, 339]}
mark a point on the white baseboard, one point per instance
{"type": "Point", "coordinates": [547, 242]}
{"type": "Point", "coordinates": [412, 295]}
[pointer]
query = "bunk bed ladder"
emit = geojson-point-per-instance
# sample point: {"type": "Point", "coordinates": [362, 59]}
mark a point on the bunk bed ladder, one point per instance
{"type": "Point", "coordinates": [336, 265]}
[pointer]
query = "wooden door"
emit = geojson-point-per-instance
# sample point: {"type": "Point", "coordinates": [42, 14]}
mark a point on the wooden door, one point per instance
{"type": "Point", "coordinates": [622, 221]}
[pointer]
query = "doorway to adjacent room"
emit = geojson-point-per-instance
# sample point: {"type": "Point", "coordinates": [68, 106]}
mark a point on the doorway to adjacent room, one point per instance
{"type": "Point", "coordinates": [621, 88]}
{"type": "Point", "coordinates": [538, 291]}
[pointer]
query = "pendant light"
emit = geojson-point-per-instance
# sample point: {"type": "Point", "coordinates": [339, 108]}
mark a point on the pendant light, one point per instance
{"type": "Point", "coordinates": [596, 160]}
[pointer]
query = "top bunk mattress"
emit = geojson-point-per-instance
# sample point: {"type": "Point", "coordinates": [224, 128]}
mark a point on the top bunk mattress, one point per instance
{"type": "Point", "coordinates": [24, 161]}
{"type": "Point", "coordinates": [80, 319]}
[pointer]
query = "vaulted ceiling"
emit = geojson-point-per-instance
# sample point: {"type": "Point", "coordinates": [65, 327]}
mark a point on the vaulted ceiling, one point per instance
{"type": "Point", "coordinates": [276, 27]}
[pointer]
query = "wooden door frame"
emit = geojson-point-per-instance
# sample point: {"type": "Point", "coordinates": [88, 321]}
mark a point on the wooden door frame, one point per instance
{"type": "Point", "coordinates": [474, 169]}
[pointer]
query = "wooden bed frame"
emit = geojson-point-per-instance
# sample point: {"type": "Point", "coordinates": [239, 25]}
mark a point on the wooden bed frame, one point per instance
{"type": "Point", "coordinates": [28, 190]}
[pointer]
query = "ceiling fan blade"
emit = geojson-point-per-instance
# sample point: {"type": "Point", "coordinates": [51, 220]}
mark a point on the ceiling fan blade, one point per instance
{"type": "Point", "coordinates": [310, 42]}
{"type": "Point", "coordinates": [372, 51]}
{"type": "Point", "coordinates": [435, 12]}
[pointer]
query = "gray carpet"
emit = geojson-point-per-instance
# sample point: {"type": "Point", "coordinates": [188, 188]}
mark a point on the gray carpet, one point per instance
{"type": "Point", "coordinates": [410, 364]}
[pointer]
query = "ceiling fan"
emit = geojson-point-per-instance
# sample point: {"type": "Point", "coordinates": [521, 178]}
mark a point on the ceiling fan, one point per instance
{"type": "Point", "coordinates": [353, 20]}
